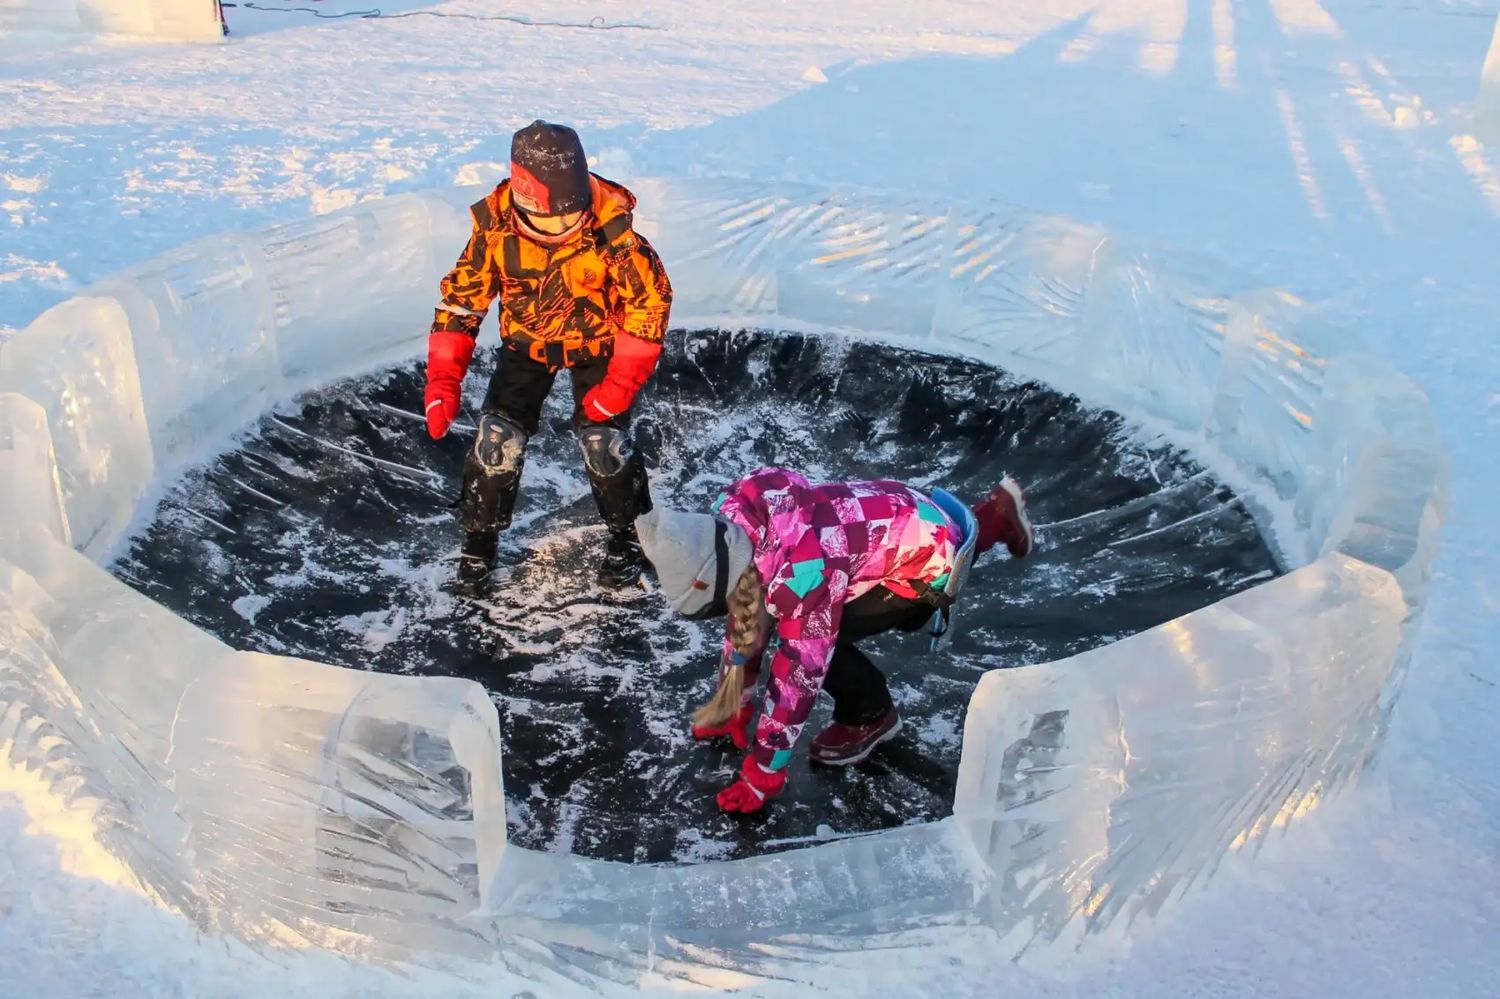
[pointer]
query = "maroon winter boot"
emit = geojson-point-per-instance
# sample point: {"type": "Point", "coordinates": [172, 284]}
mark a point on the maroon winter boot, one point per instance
{"type": "Point", "coordinates": [839, 745]}
{"type": "Point", "coordinates": [1002, 519]}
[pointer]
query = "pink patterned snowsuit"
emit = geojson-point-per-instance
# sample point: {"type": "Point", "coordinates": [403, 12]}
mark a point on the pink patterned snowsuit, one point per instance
{"type": "Point", "coordinates": [819, 547]}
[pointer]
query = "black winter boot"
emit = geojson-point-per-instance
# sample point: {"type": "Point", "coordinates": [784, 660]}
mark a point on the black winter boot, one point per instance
{"type": "Point", "coordinates": [623, 561]}
{"type": "Point", "coordinates": [617, 477]}
{"type": "Point", "coordinates": [475, 561]}
{"type": "Point", "coordinates": [492, 479]}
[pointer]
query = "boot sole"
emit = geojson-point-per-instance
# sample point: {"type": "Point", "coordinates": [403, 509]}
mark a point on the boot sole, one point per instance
{"type": "Point", "coordinates": [851, 760]}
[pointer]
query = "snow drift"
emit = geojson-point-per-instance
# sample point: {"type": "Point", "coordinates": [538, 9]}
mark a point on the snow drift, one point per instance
{"type": "Point", "coordinates": [291, 801]}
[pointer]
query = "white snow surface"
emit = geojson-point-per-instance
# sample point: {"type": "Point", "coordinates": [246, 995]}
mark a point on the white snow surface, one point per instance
{"type": "Point", "coordinates": [1325, 148]}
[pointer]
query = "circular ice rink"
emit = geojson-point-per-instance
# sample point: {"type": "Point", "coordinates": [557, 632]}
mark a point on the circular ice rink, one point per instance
{"type": "Point", "coordinates": [326, 533]}
{"type": "Point", "coordinates": [219, 497]}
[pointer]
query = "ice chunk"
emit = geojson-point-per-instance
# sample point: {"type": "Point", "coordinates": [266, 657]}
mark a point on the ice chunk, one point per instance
{"type": "Point", "coordinates": [1271, 385]}
{"type": "Point", "coordinates": [77, 357]}
{"type": "Point", "coordinates": [325, 801]}
{"type": "Point", "coordinates": [858, 261]}
{"type": "Point", "coordinates": [354, 289]}
{"type": "Point", "coordinates": [718, 244]}
{"type": "Point", "coordinates": [710, 920]}
{"type": "Point", "coordinates": [1109, 781]}
{"type": "Point", "coordinates": [110, 665]}
{"type": "Point", "coordinates": [200, 325]}
{"type": "Point", "coordinates": [1376, 484]}
{"type": "Point", "coordinates": [31, 500]}
{"type": "Point", "coordinates": [1014, 288]}
{"type": "Point", "coordinates": [271, 797]}
{"type": "Point", "coordinates": [1153, 332]}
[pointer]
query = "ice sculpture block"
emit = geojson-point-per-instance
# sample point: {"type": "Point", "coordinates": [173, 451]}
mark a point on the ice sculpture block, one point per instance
{"type": "Point", "coordinates": [274, 798]}
{"type": "Point", "coordinates": [1153, 332]}
{"type": "Point", "coordinates": [79, 359]}
{"type": "Point", "coordinates": [324, 802]}
{"type": "Point", "coordinates": [200, 327]}
{"type": "Point", "coordinates": [1376, 487]}
{"type": "Point", "coordinates": [721, 244]}
{"type": "Point", "coordinates": [31, 502]}
{"type": "Point", "coordinates": [1014, 288]}
{"type": "Point", "coordinates": [1275, 356]}
{"type": "Point", "coordinates": [288, 801]}
{"type": "Point", "coordinates": [352, 289]}
{"type": "Point", "coordinates": [708, 922]}
{"type": "Point", "coordinates": [1112, 780]}
{"type": "Point", "coordinates": [112, 664]}
{"type": "Point", "coordinates": [856, 261]}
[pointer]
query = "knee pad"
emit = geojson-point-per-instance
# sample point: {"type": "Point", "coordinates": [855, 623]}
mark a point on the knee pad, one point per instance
{"type": "Point", "coordinates": [606, 450]}
{"type": "Point", "coordinates": [500, 445]}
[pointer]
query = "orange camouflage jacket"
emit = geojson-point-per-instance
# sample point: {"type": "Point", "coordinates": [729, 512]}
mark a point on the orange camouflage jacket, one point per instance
{"type": "Point", "coordinates": [561, 303]}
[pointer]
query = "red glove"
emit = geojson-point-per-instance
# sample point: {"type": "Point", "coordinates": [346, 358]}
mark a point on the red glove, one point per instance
{"type": "Point", "coordinates": [755, 786]}
{"type": "Point", "coordinates": [448, 356]}
{"type": "Point", "coordinates": [737, 728]}
{"type": "Point", "coordinates": [628, 371]}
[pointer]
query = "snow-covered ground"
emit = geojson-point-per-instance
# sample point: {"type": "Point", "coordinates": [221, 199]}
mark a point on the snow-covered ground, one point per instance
{"type": "Point", "coordinates": [1324, 147]}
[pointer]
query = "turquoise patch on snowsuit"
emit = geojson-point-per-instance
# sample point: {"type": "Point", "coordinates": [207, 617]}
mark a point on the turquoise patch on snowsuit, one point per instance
{"type": "Point", "coordinates": [806, 576]}
{"type": "Point", "coordinates": [942, 581]}
{"type": "Point", "coordinates": [931, 514]}
{"type": "Point", "coordinates": [780, 759]}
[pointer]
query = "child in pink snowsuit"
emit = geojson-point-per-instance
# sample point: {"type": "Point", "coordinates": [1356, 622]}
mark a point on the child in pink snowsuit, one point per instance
{"type": "Point", "coordinates": [829, 564]}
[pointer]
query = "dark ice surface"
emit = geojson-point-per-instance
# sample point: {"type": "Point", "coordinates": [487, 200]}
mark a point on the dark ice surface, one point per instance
{"type": "Point", "coordinates": [327, 532]}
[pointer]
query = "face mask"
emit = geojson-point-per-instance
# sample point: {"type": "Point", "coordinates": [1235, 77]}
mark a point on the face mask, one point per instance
{"type": "Point", "coordinates": [551, 239]}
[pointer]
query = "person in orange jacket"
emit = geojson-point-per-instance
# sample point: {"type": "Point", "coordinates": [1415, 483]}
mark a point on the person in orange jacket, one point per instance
{"type": "Point", "coordinates": [579, 290]}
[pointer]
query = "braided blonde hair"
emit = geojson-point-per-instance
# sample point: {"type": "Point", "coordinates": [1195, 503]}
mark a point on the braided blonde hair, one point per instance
{"type": "Point", "coordinates": [747, 624]}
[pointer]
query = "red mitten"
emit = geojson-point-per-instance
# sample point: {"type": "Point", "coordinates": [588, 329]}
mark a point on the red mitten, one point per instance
{"type": "Point", "coordinates": [607, 400]}
{"type": "Point", "coordinates": [751, 791]}
{"type": "Point", "coordinates": [448, 356]}
{"type": "Point", "coordinates": [737, 728]}
{"type": "Point", "coordinates": [629, 369]}
{"type": "Point", "coordinates": [442, 406]}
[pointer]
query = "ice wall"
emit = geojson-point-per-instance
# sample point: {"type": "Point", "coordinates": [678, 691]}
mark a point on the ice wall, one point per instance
{"type": "Point", "coordinates": [274, 798]}
{"type": "Point", "coordinates": [291, 801]}
{"type": "Point", "coordinates": [162, 18]}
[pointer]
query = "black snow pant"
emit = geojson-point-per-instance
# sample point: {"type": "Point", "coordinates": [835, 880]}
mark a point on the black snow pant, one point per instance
{"type": "Point", "coordinates": [512, 409]}
{"type": "Point", "coordinates": [859, 691]}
